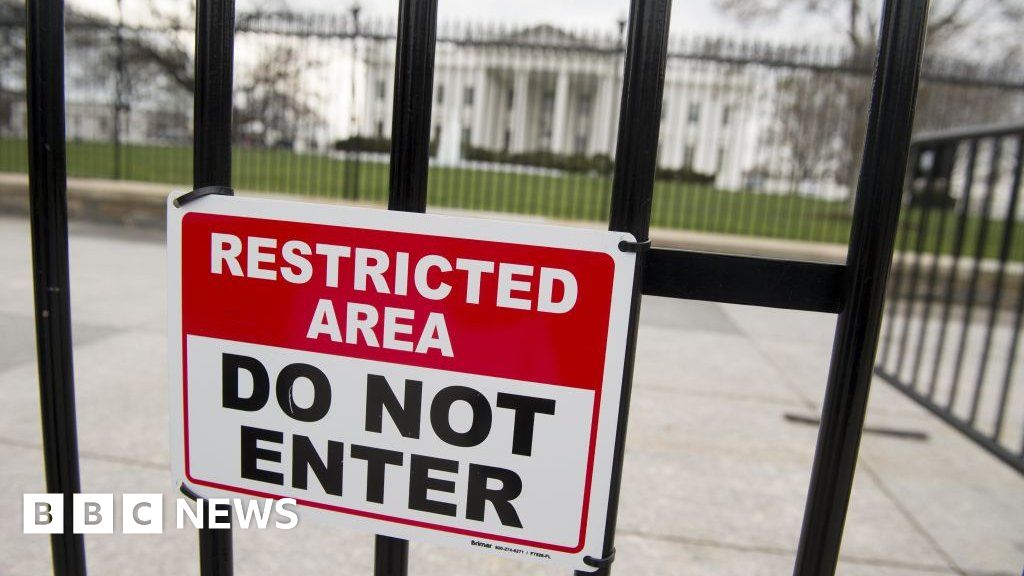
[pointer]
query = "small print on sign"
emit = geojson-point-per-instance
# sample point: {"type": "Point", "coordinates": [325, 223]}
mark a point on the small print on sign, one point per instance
{"type": "Point", "coordinates": [444, 379]}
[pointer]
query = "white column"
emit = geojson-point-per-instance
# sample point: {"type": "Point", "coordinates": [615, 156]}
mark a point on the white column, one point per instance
{"type": "Point", "coordinates": [605, 118]}
{"type": "Point", "coordinates": [598, 120]}
{"type": "Point", "coordinates": [450, 120]}
{"type": "Point", "coordinates": [493, 119]}
{"type": "Point", "coordinates": [521, 92]}
{"type": "Point", "coordinates": [559, 124]}
{"type": "Point", "coordinates": [480, 102]}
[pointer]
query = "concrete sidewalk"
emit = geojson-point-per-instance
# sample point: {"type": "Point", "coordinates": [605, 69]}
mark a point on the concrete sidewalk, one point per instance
{"type": "Point", "coordinates": [715, 475]}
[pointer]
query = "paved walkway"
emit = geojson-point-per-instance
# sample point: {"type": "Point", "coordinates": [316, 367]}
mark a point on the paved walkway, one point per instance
{"type": "Point", "coordinates": [716, 474]}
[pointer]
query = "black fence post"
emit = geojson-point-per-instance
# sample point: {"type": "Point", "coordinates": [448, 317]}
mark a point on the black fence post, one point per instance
{"type": "Point", "coordinates": [410, 157]}
{"type": "Point", "coordinates": [120, 84]}
{"type": "Point", "coordinates": [44, 44]}
{"type": "Point", "coordinates": [215, 30]}
{"type": "Point", "coordinates": [352, 158]}
{"type": "Point", "coordinates": [414, 88]}
{"type": "Point", "coordinates": [876, 213]}
{"type": "Point", "coordinates": [636, 155]}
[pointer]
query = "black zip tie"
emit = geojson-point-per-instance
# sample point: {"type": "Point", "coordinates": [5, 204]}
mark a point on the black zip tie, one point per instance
{"type": "Point", "coordinates": [189, 493]}
{"type": "Point", "coordinates": [627, 246]}
{"type": "Point", "coordinates": [202, 192]}
{"type": "Point", "coordinates": [607, 560]}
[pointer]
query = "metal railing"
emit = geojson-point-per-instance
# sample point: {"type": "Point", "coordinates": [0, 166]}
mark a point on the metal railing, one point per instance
{"type": "Point", "coordinates": [954, 313]}
{"type": "Point", "coordinates": [854, 291]}
{"type": "Point", "coordinates": [760, 139]}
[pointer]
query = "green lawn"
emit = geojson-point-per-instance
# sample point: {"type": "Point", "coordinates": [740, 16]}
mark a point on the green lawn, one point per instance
{"type": "Point", "coordinates": [568, 196]}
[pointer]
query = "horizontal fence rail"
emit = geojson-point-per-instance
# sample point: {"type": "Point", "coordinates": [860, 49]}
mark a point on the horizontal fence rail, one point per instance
{"type": "Point", "coordinates": [757, 139]}
{"type": "Point", "coordinates": [953, 325]}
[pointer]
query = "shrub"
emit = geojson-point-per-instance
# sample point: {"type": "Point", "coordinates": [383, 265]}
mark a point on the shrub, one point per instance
{"type": "Point", "coordinates": [684, 175]}
{"type": "Point", "coordinates": [377, 145]}
{"type": "Point", "coordinates": [599, 163]}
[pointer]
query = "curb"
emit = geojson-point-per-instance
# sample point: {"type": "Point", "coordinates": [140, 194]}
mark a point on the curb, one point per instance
{"type": "Point", "coordinates": [143, 205]}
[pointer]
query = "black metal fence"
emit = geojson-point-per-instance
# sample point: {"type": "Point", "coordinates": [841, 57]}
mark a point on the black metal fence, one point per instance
{"type": "Point", "coordinates": [854, 291]}
{"type": "Point", "coordinates": [954, 315]}
{"type": "Point", "coordinates": [756, 139]}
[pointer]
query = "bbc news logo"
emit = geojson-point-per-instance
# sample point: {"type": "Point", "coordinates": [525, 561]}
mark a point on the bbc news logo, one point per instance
{"type": "Point", "coordinates": [144, 513]}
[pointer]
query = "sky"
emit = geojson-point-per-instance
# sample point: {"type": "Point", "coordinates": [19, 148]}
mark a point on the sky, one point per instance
{"type": "Point", "coordinates": [690, 17]}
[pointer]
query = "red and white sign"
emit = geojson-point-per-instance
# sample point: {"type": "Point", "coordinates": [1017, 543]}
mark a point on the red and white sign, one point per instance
{"type": "Point", "coordinates": [426, 377]}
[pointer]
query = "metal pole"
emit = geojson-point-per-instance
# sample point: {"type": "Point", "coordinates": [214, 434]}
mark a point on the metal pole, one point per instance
{"type": "Point", "coordinates": [353, 118]}
{"type": "Point", "coordinates": [215, 22]}
{"type": "Point", "coordinates": [876, 213]}
{"type": "Point", "coordinates": [48, 213]}
{"type": "Point", "coordinates": [119, 87]}
{"type": "Point", "coordinates": [414, 83]}
{"type": "Point", "coordinates": [636, 153]}
{"type": "Point", "coordinates": [410, 147]}
{"type": "Point", "coordinates": [215, 29]}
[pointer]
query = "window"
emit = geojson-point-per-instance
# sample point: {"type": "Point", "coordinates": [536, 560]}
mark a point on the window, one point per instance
{"type": "Point", "coordinates": [440, 93]}
{"type": "Point", "coordinates": [508, 140]}
{"type": "Point", "coordinates": [725, 116]}
{"type": "Point", "coordinates": [720, 160]}
{"type": "Point", "coordinates": [437, 134]}
{"type": "Point", "coordinates": [689, 152]}
{"type": "Point", "coordinates": [465, 138]}
{"type": "Point", "coordinates": [510, 98]}
{"type": "Point", "coordinates": [693, 113]}
{"type": "Point", "coordinates": [548, 100]}
{"type": "Point", "coordinates": [580, 144]}
{"type": "Point", "coordinates": [382, 88]}
{"type": "Point", "coordinates": [380, 128]}
{"type": "Point", "coordinates": [467, 96]}
{"type": "Point", "coordinates": [586, 101]}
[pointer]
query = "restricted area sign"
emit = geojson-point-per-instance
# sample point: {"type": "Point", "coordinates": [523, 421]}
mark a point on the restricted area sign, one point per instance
{"type": "Point", "coordinates": [426, 377]}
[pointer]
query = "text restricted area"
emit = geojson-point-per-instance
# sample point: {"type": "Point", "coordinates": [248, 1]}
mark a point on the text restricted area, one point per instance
{"type": "Point", "coordinates": [446, 379]}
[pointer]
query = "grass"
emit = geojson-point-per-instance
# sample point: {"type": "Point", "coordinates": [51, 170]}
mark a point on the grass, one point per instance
{"type": "Point", "coordinates": [566, 196]}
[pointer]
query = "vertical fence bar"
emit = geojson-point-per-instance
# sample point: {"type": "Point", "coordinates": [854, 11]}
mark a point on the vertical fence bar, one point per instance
{"type": "Point", "coordinates": [120, 84]}
{"type": "Point", "coordinates": [996, 299]}
{"type": "Point", "coordinates": [636, 156]}
{"type": "Point", "coordinates": [215, 29]}
{"type": "Point", "coordinates": [414, 83]}
{"type": "Point", "coordinates": [920, 245]}
{"type": "Point", "coordinates": [1011, 362]}
{"type": "Point", "coordinates": [47, 173]}
{"type": "Point", "coordinates": [948, 160]}
{"type": "Point", "coordinates": [215, 22]}
{"type": "Point", "coordinates": [410, 159]}
{"type": "Point", "coordinates": [981, 240]}
{"type": "Point", "coordinates": [873, 232]}
{"type": "Point", "coordinates": [958, 248]}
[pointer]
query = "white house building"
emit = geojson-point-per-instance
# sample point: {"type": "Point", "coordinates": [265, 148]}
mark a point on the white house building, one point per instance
{"type": "Point", "coordinates": [545, 90]}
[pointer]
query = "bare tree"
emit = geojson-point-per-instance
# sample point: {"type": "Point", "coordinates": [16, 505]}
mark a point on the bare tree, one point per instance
{"type": "Point", "coordinates": [822, 130]}
{"type": "Point", "coordinates": [273, 103]}
{"type": "Point", "coordinates": [955, 27]}
{"type": "Point", "coordinates": [84, 31]}
{"type": "Point", "coordinates": [809, 124]}
{"type": "Point", "coordinates": [271, 100]}
{"type": "Point", "coordinates": [169, 53]}
{"type": "Point", "coordinates": [12, 58]}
